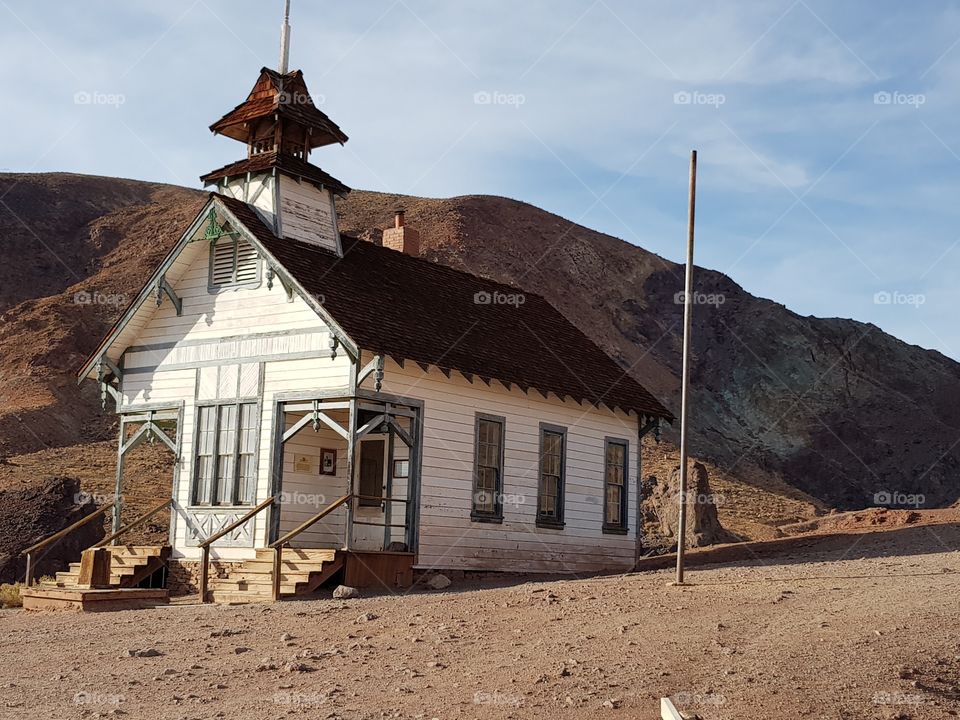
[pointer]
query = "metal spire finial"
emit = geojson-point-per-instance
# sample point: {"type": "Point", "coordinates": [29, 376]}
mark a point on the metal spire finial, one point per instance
{"type": "Point", "coordinates": [285, 40]}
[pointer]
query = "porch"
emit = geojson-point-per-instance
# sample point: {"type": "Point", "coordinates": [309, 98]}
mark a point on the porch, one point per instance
{"type": "Point", "coordinates": [343, 486]}
{"type": "Point", "coordinates": [342, 504]}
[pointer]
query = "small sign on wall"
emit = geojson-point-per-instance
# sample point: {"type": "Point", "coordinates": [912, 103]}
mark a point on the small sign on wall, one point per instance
{"type": "Point", "coordinates": [302, 464]}
{"type": "Point", "coordinates": [328, 461]}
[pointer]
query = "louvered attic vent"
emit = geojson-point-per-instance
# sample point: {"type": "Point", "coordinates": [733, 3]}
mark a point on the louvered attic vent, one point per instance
{"type": "Point", "coordinates": [234, 263]}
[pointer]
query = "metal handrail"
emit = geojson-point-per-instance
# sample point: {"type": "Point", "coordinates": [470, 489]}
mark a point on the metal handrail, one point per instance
{"type": "Point", "coordinates": [278, 546]}
{"type": "Point", "coordinates": [205, 545]}
{"type": "Point", "coordinates": [28, 578]}
{"type": "Point", "coordinates": [136, 523]}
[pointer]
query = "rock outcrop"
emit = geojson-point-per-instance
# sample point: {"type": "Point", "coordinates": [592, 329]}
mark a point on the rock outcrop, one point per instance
{"type": "Point", "coordinates": [27, 516]}
{"type": "Point", "coordinates": [661, 511]}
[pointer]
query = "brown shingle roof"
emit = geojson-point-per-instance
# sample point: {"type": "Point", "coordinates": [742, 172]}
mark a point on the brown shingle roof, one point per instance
{"type": "Point", "coordinates": [284, 94]}
{"type": "Point", "coordinates": [413, 309]}
{"type": "Point", "coordinates": [286, 163]}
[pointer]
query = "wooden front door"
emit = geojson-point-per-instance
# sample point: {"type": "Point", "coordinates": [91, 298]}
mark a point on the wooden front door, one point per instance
{"type": "Point", "coordinates": [372, 474]}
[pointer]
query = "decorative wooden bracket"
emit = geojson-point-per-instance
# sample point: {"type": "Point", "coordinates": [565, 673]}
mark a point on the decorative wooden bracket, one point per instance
{"type": "Point", "coordinates": [214, 230]}
{"type": "Point", "coordinates": [272, 275]}
{"type": "Point", "coordinates": [334, 344]}
{"type": "Point", "coordinates": [375, 368]}
{"type": "Point", "coordinates": [106, 388]}
{"type": "Point", "coordinates": [653, 424]}
{"type": "Point", "coordinates": [164, 288]}
{"type": "Point", "coordinates": [112, 367]}
{"type": "Point", "coordinates": [378, 374]}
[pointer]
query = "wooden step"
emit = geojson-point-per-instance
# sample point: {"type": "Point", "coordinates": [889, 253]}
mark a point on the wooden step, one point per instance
{"type": "Point", "coordinates": [130, 560]}
{"type": "Point", "coordinates": [259, 578]}
{"type": "Point", "coordinates": [293, 554]}
{"type": "Point", "coordinates": [265, 586]}
{"type": "Point", "coordinates": [266, 566]}
{"type": "Point", "coordinates": [138, 550]}
{"type": "Point", "coordinates": [126, 561]}
{"type": "Point", "coordinates": [302, 571]}
{"type": "Point", "coordinates": [237, 598]}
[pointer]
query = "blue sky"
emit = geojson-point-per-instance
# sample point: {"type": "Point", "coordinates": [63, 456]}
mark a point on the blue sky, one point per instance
{"type": "Point", "coordinates": [828, 133]}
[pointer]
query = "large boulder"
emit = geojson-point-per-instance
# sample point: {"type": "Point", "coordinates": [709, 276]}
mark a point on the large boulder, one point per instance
{"type": "Point", "coordinates": [661, 511]}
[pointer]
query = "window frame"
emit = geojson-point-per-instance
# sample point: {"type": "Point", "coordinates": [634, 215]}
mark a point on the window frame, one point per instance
{"type": "Point", "coordinates": [216, 408]}
{"type": "Point", "coordinates": [623, 527]}
{"type": "Point", "coordinates": [213, 287]}
{"type": "Point", "coordinates": [480, 515]}
{"type": "Point", "coordinates": [547, 521]}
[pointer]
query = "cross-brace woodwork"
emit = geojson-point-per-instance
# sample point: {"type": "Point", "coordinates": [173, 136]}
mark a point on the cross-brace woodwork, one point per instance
{"type": "Point", "coordinates": [315, 417]}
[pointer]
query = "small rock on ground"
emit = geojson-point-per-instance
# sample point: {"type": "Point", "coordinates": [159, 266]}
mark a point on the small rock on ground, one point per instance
{"type": "Point", "coordinates": [438, 582]}
{"type": "Point", "coordinates": [345, 592]}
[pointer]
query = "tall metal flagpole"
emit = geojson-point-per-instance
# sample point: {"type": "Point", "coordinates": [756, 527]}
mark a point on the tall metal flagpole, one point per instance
{"type": "Point", "coordinates": [285, 40]}
{"type": "Point", "coordinates": [685, 380]}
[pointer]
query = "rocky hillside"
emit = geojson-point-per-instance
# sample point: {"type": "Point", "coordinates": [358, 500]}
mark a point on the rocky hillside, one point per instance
{"type": "Point", "coordinates": [836, 408]}
{"type": "Point", "coordinates": [831, 407]}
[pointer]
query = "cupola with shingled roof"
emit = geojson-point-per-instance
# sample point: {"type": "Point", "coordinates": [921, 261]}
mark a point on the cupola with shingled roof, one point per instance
{"type": "Point", "coordinates": [281, 125]}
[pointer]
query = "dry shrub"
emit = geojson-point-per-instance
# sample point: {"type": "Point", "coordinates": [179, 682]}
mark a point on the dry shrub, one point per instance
{"type": "Point", "coordinates": [10, 594]}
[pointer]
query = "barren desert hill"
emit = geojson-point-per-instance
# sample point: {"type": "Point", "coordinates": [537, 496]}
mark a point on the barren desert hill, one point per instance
{"type": "Point", "coordinates": [833, 408]}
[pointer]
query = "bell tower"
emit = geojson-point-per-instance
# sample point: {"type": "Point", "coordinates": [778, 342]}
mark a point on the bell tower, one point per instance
{"type": "Point", "coordinates": [281, 126]}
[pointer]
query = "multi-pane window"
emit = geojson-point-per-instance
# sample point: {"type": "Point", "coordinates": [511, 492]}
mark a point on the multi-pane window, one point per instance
{"type": "Point", "coordinates": [225, 466]}
{"type": "Point", "coordinates": [615, 485]}
{"type": "Point", "coordinates": [488, 470]}
{"type": "Point", "coordinates": [246, 455]}
{"type": "Point", "coordinates": [552, 470]}
{"type": "Point", "coordinates": [233, 263]}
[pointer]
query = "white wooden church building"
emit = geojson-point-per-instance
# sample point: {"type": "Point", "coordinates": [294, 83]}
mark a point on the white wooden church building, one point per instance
{"type": "Point", "coordinates": [354, 405]}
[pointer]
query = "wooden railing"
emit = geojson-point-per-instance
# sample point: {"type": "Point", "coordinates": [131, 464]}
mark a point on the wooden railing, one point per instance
{"type": "Point", "coordinates": [136, 523]}
{"type": "Point", "coordinates": [280, 544]}
{"type": "Point", "coordinates": [29, 552]}
{"type": "Point", "coordinates": [205, 545]}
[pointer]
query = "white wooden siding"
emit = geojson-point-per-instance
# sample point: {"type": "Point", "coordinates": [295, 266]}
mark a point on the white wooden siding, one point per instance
{"type": "Point", "coordinates": [226, 312]}
{"type": "Point", "coordinates": [225, 337]}
{"type": "Point", "coordinates": [449, 539]}
{"type": "Point", "coordinates": [169, 387]}
{"type": "Point", "coordinates": [307, 213]}
{"type": "Point", "coordinates": [258, 192]}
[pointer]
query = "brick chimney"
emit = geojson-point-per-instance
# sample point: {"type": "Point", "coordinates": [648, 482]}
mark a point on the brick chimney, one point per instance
{"type": "Point", "coordinates": [400, 237]}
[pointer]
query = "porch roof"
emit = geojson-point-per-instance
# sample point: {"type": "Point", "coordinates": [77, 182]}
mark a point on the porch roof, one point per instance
{"type": "Point", "coordinates": [410, 308]}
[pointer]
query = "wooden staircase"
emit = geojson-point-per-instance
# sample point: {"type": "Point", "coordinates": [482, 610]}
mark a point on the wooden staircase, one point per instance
{"type": "Point", "coordinates": [129, 566]}
{"type": "Point", "coordinates": [301, 572]}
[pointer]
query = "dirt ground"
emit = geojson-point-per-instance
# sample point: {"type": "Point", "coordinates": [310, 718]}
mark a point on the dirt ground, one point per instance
{"type": "Point", "coordinates": [858, 627]}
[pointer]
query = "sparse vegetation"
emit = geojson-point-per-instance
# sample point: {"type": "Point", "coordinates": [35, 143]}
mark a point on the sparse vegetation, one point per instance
{"type": "Point", "coordinates": [10, 595]}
